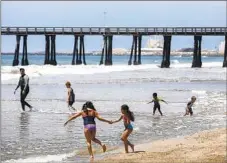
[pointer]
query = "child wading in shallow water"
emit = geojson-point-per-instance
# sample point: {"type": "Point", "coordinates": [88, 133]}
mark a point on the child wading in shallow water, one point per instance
{"type": "Point", "coordinates": [156, 103]}
{"type": "Point", "coordinates": [127, 116]}
{"type": "Point", "coordinates": [71, 96]}
{"type": "Point", "coordinates": [89, 114]}
{"type": "Point", "coordinates": [189, 106]}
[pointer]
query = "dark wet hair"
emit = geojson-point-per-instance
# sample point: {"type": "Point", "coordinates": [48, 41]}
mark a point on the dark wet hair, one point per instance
{"type": "Point", "coordinates": [22, 69]}
{"type": "Point", "coordinates": [193, 97]}
{"type": "Point", "coordinates": [88, 104]}
{"type": "Point", "coordinates": [155, 94]}
{"type": "Point", "coordinates": [130, 114]}
{"type": "Point", "coordinates": [84, 107]}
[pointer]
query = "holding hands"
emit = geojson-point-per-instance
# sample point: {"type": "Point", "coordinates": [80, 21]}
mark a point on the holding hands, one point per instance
{"type": "Point", "coordinates": [110, 122]}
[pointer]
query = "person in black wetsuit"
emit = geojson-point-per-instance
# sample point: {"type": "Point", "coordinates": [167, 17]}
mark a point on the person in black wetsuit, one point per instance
{"type": "Point", "coordinates": [189, 106]}
{"type": "Point", "coordinates": [156, 103]}
{"type": "Point", "coordinates": [71, 95]}
{"type": "Point", "coordinates": [24, 85]}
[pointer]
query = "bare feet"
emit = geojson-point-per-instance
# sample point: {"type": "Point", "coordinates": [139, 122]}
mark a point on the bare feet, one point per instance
{"type": "Point", "coordinates": [104, 147]}
{"type": "Point", "coordinates": [91, 158]}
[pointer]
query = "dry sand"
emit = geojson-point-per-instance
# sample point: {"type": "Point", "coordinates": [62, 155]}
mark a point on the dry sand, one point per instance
{"type": "Point", "coordinates": [203, 147]}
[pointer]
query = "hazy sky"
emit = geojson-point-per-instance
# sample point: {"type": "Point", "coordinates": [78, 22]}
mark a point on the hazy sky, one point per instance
{"type": "Point", "coordinates": [127, 13]}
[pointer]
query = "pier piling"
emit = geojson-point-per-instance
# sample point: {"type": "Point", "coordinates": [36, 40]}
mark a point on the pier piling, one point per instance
{"type": "Point", "coordinates": [83, 51]}
{"type": "Point", "coordinates": [103, 49]}
{"type": "Point", "coordinates": [139, 49]}
{"type": "Point", "coordinates": [197, 61]}
{"type": "Point", "coordinates": [47, 50]}
{"type": "Point", "coordinates": [50, 50]}
{"type": "Point", "coordinates": [110, 50]}
{"type": "Point", "coordinates": [225, 53]}
{"type": "Point", "coordinates": [107, 50]}
{"type": "Point", "coordinates": [17, 50]}
{"type": "Point", "coordinates": [78, 60]}
{"type": "Point", "coordinates": [166, 52]}
{"type": "Point", "coordinates": [130, 58]}
{"type": "Point", "coordinates": [136, 48]}
{"type": "Point", "coordinates": [24, 60]}
{"type": "Point", "coordinates": [53, 50]}
{"type": "Point", "coordinates": [79, 53]}
{"type": "Point", "coordinates": [75, 49]}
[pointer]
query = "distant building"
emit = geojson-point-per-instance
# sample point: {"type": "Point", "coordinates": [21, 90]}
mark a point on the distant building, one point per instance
{"type": "Point", "coordinates": [221, 47]}
{"type": "Point", "coordinates": [154, 45]}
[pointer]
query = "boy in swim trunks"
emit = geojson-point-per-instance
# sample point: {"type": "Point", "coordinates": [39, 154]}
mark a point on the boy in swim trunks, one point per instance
{"type": "Point", "coordinates": [156, 103]}
{"type": "Point", "coordinates": [189, 106]}
{"type": "Point", "coordinates": [71, 95]}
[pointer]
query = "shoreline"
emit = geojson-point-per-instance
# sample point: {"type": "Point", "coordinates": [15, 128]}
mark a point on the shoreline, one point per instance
{"type": "Point", "coordinates": [207, 146]}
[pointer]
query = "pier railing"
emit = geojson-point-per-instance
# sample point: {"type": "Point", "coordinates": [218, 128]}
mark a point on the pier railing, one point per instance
{"type": "Point", "coordinates": [114, 30]}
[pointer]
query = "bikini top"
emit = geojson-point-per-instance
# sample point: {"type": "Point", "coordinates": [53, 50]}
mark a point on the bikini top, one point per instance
{"type": "Point", "coordinates": [126, 119]}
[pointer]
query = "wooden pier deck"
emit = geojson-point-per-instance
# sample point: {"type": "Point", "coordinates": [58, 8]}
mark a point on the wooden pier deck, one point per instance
{"type": "Point", "coordinates": [214, 31]}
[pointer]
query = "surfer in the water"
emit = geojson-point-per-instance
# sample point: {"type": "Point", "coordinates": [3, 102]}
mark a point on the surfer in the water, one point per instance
{"type": "Point", "coordinates": [127, 116]}
{"type": "Point", "coordinates": [24, 85]}
{"type": "Point", "coordinates": [189, 106]}
{"type": "Point", "coordinates": [71, 95]}
{"type": "Point", "coordinates": [156, 100]}
{"type": "Point", "coordinates": [89, 114]}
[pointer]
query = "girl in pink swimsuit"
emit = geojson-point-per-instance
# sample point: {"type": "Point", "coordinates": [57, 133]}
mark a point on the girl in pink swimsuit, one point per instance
{"type": "Point", "coordinates": [127, 117]}
{"type": "Point", "coordinates": [89, 114]}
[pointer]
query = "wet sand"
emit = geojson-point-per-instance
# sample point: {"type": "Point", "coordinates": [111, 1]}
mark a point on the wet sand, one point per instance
{"type": "Point", "coordinates": [204, 147]}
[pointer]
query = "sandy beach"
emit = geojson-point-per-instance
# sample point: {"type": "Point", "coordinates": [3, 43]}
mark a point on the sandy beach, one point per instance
{"type": "Point", "coordinates": [204, 147]}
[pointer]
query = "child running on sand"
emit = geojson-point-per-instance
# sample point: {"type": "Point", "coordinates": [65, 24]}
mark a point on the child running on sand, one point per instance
{"type": "Point", "coordinates": [71, 96]}
{"type": "Point", "coordinates": [127, 116]}
{"type": "Point", "coordinates": [189, 106]}
{"type": "Point", "coordinates": [89, 113]}
{"type": "Point", "coordinates": [156, 103]}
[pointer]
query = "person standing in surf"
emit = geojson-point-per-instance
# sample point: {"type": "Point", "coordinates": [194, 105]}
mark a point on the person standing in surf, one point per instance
{"type": "Point", "coordinates": [71, 96]}
{"type": "Point", "coordinates": [24, 85]}
{"type": "Point", "coordinates": [156, 100]}
{"type": "Point", "coordinates": [127, 117]}
{"type": "Point", "coordinates": [189, 106]}
{"type": "Point", "coordinates": [89, 114]}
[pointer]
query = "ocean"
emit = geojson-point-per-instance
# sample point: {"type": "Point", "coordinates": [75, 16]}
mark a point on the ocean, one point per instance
{"type": "Point", "coordinates": [39, 136]}
{"type": "Point", "coordinates": [117, 60]}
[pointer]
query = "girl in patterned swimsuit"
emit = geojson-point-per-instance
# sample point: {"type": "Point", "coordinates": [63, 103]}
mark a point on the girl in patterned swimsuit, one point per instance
{"type": "Point", "coordinates": [127, 116]}
{"type": "Point", "coordinates": [89, 113]}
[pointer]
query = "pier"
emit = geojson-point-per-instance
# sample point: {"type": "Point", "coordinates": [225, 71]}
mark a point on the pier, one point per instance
{"type": "Point", "coordinates": [108, 33]}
